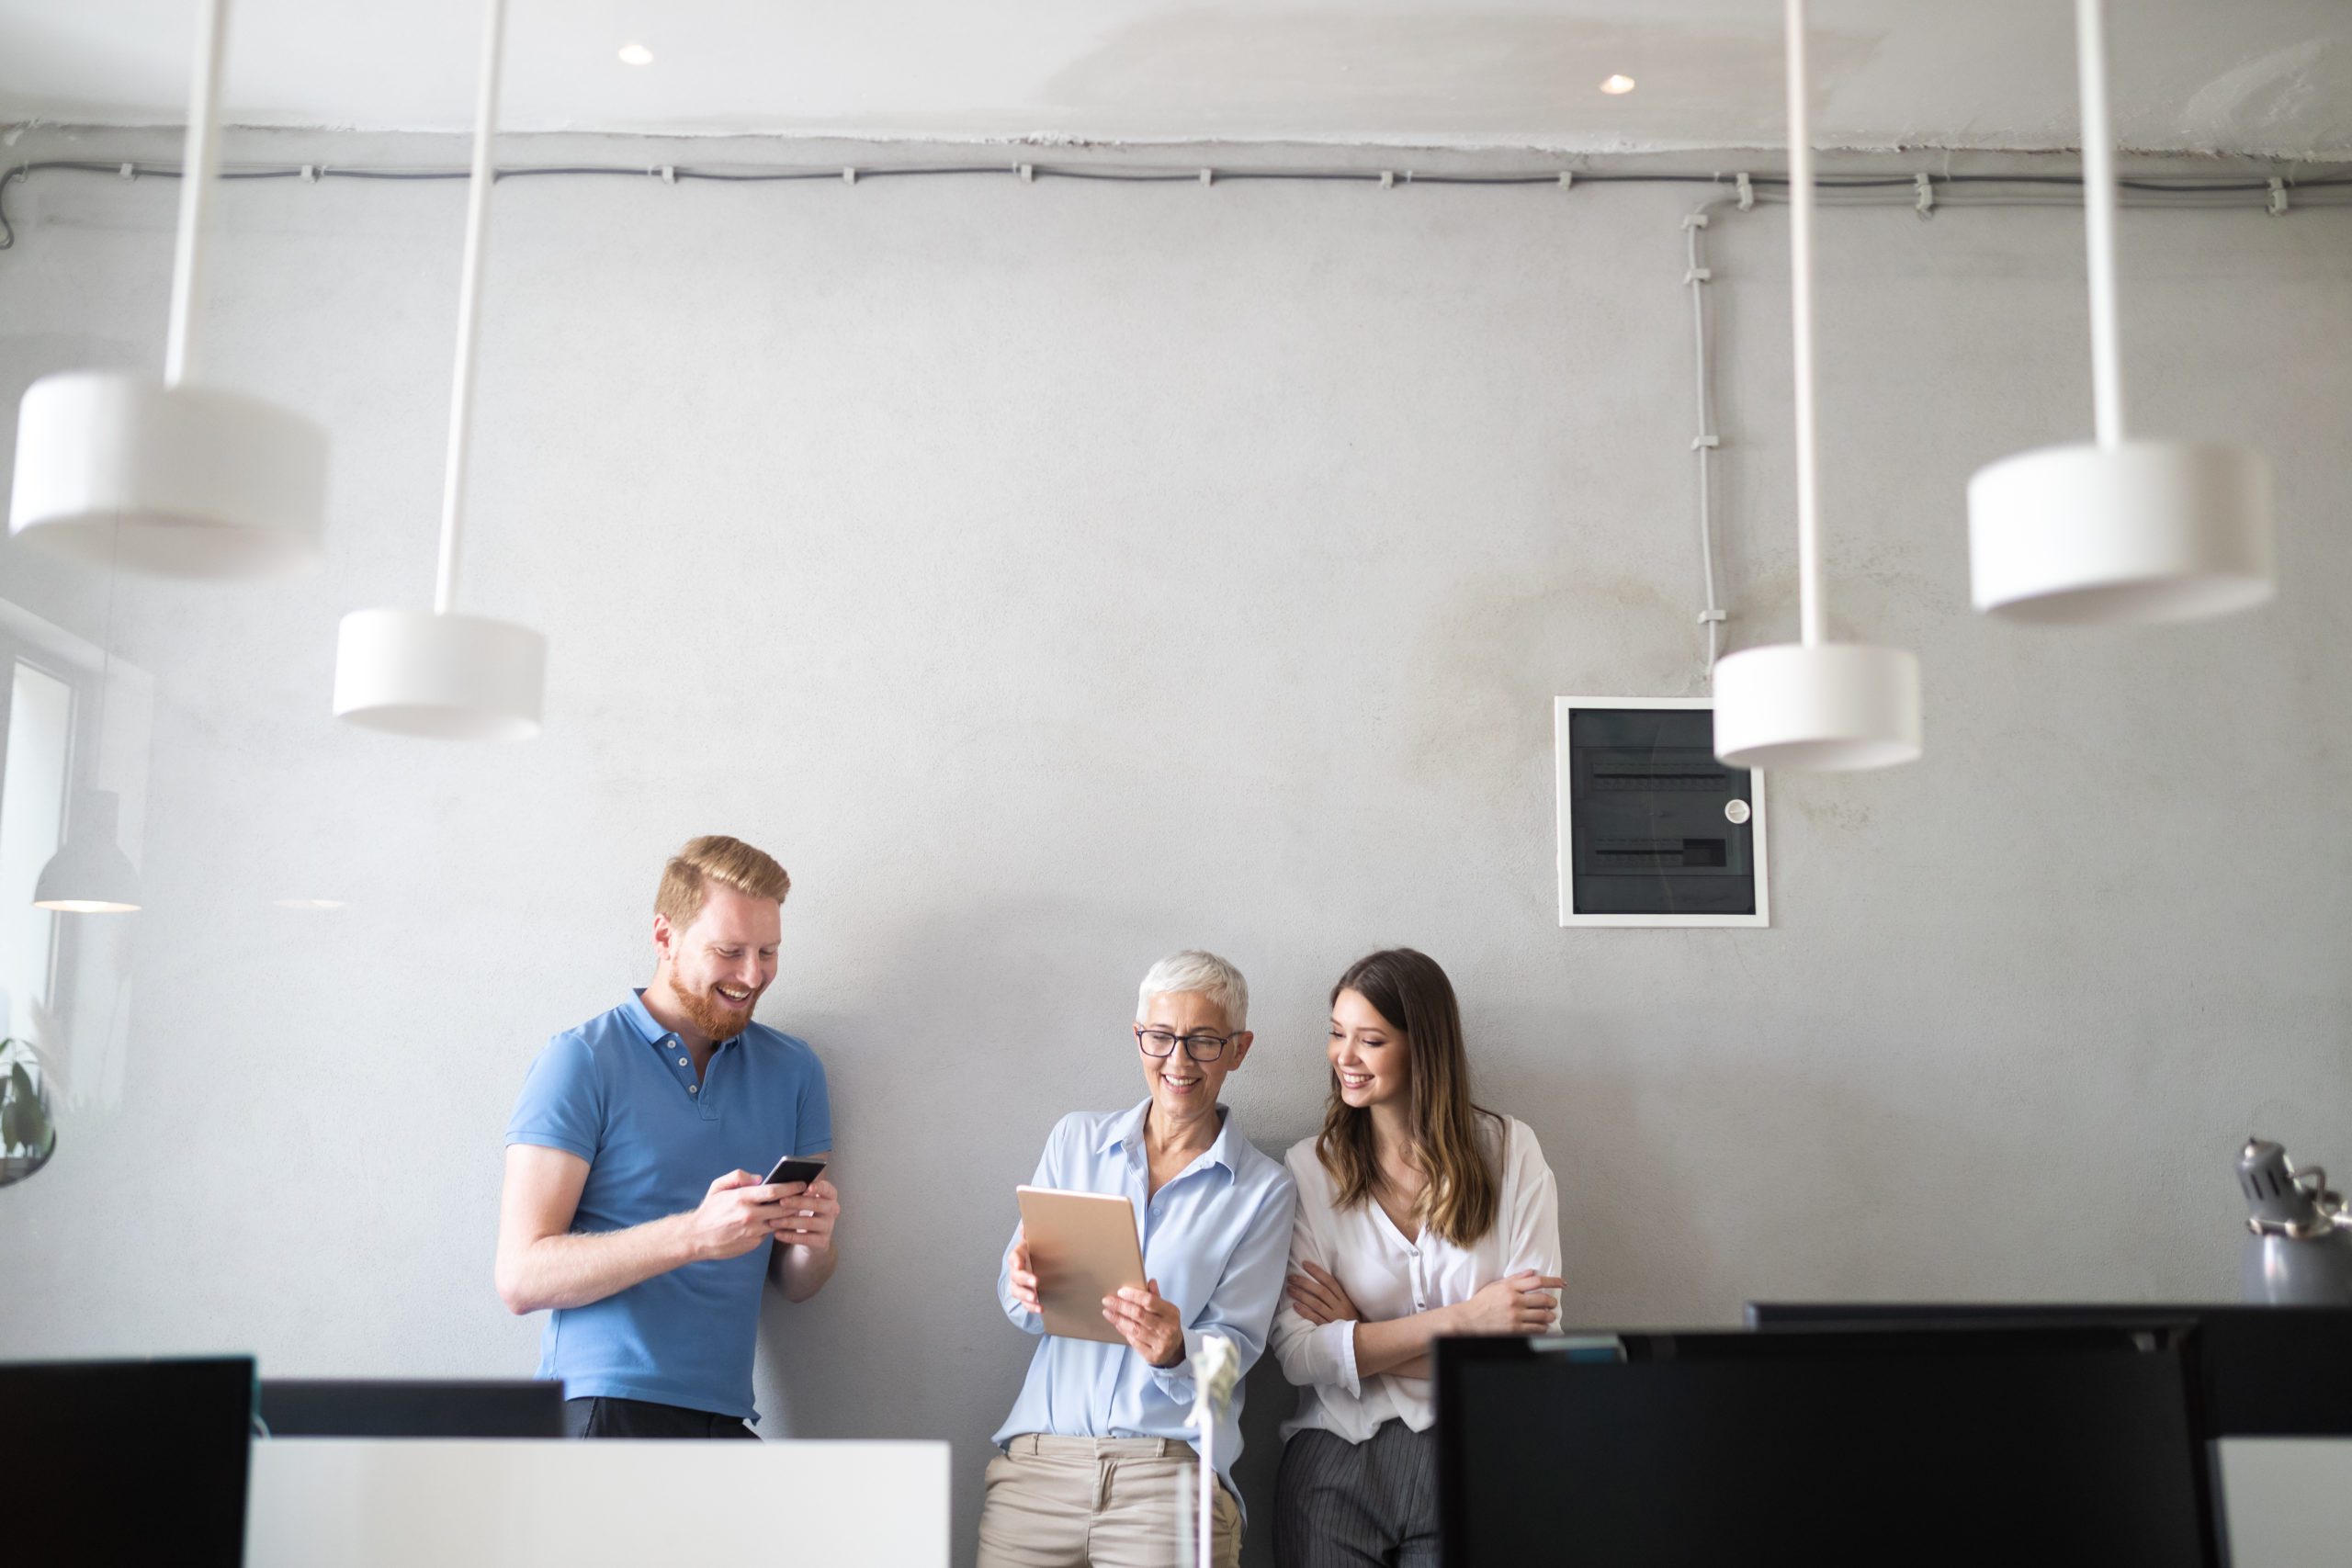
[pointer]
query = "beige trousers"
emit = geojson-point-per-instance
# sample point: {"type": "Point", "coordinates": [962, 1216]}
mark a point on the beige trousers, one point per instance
{"type": "Point", "coordinates": [1099, 1502]}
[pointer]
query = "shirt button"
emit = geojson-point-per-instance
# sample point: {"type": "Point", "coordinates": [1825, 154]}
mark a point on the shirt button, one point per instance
{"type": "Point", "coordinates": [682, 1061]}
{"type": "Point", "coordinates": [693, 1089]}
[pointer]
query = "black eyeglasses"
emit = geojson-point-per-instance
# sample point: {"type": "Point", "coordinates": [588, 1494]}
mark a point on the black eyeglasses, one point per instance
{"type": "Point", "coordinates": [1162, 1044]}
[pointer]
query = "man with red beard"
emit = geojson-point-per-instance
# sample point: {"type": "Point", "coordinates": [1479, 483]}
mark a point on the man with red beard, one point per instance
{"type": "Point", "coordinates": [632, 1212]}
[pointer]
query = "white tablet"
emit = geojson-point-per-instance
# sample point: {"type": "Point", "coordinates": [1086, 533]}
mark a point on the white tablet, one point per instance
{"type": "Point", "coordinates": [1082, 1247]}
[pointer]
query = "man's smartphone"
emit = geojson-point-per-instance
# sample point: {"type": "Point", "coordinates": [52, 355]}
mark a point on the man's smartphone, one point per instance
{"type": "Point", "coordinates": [791, 1170]}
{"type": "Point", "coordinates": [788, 1168]}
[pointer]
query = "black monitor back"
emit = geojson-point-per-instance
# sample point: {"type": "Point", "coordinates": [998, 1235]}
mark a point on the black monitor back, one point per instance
{"type": "Point", "coordinates": [2025, 1449]}
{"type": "Point", "coordinates": [122, 1463]}
{"type": "Point", "coordinates": [2267, 1371]}
{"type": "Point", "coordinates": [308, 1407]}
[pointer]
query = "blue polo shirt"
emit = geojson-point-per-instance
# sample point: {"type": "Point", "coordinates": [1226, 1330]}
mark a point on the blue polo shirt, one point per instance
{"type": "Point", "coordinates": [619, 1092]}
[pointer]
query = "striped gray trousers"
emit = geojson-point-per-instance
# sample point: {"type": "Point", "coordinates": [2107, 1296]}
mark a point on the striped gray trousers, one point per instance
{"type": "Point", "coordinates": [1368, 1504]}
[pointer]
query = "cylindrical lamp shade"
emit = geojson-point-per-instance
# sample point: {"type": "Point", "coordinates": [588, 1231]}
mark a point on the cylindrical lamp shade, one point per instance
{"type": "Point", "coordinates": [458, 677]}
{"type": "Point", "coordinates": [2145, 531]}
{"type": "Point", "coordinates": [175, 482]}
{"type": "Point", "coordinates": [1824, 707]}
{"type": "Point", "coordinates": [89, 874]}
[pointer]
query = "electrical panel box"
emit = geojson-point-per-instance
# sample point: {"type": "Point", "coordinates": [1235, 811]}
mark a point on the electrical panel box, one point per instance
{"type": "Point", "coordinates": [1654, 829]}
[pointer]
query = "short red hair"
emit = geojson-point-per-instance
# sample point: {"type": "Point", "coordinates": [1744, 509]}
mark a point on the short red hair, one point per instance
{"type": "Point", "coordinates": [715, 857]}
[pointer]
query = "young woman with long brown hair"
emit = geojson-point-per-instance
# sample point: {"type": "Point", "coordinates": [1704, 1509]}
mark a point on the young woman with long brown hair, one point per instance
{"type": "Point", "coordinates": [1420, 1214]}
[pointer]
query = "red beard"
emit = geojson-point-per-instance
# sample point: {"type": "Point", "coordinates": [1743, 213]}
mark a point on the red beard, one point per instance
{"type": "Point", "coordinates": [707, 1016]}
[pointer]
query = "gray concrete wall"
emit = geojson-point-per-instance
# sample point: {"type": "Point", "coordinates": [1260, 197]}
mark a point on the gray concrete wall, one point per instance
{"type": "Point", "coordinates": [1054, 576]}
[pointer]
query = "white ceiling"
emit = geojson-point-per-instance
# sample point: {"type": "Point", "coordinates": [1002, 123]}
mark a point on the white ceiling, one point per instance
{"type": "Point", "coordinates": [2266, 76]}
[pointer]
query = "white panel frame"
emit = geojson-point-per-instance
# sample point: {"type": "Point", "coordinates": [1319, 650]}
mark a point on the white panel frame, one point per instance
{"type": "Point", "coordinates": [2285, 1501]}
{"type": "Point", "coordinates": [563, 1503]}
{"type": "Point", "coordinates": [1569, 914]}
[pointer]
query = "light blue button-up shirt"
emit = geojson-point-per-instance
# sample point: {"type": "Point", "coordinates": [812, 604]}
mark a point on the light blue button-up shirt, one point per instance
{"type": "Point", "coordinates": [1217, 1238]}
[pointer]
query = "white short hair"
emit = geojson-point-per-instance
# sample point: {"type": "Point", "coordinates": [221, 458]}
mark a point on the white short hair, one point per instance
{"type": "Point", "coordinates": [1203, 973]}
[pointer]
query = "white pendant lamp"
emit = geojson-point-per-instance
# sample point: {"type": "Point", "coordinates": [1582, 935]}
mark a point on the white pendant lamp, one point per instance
{"type": "Point", "coordinates": [89, 874]}
{"type": "Point", "coordinates": [189, 480]}
{"type": "Point", "coordinates": [442, 673]}
{"type": "Point", "coordinates": [2122, 531]}
{"type": "Point", "coordinates": [1812, 705]}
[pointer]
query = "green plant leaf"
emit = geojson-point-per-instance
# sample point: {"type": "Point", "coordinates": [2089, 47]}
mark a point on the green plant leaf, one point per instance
{"type": "Point", "coordinates": [23, 1119]}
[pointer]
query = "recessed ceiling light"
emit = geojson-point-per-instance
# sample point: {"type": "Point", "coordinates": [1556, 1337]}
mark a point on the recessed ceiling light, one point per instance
{"type": "Point", "coordinates": [1619, 84]}
{"type": "Point", "coordinates": [637, 55]}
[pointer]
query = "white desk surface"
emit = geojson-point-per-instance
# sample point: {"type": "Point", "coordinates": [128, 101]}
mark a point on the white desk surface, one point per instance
{"type": "Point", "coordinates": [401, 1502]}
{"type": "Point", "coordinates": [2288, 1501]}
{"type": "Point", "coordinates": [408, 1503]}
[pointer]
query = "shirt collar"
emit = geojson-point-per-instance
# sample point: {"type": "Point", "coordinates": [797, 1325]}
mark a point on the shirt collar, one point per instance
{"type": "Point", "coordinates": [1125, 1132]}
{"type": "Point", "coordinates": [649, 1028]}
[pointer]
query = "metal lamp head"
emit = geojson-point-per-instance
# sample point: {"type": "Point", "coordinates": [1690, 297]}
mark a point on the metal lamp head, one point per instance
{"type": "Point", "coordinates": [2136, 534]}
{"type": "Point", "coordinates": [1826, 706]}
{"type": "Point", "coordinates": [2299, 1252]}
{"type": "Point", "coordinates": [452, 676]}
{"type": "Point", "coordinates": [186, 480]}
{"type": "Point", "coordinates": [89, 874]}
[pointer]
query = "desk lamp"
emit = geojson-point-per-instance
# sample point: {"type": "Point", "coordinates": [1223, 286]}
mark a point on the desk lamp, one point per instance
{"type": "Point", "coordinates": [1217, 1368]}
{"type": "Point", "coordinates": [2300, 1252]}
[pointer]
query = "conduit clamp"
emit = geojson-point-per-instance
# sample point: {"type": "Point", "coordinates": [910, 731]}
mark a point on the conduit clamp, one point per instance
{"type": "Point", "coordinates": [2277, 197]}
{"type": "Point", "coordinates": [1028, 173]}
{"type": "Point", "coordinates": [1699, 275]}
{"type": "Point", "coordinates": [1694, 220]}
{"type": "Point", "coordinates": [1705, 443]}
{"type": "Point", "coordinates": [1209, 176]}
{"type": "Point", "coordinates": [1927, 205]}
{"type": "Point", "coordinates": [129, 171]}
{"type": "Point", "coordinates": [669, 172]}
{"type": "Point", "coordinates": [849, 175]}
{"type": "Point", "coordinates": [1746, 194]}
{"type": "Point", "coordinates": [310, 174]}
{"type": "Point", "coordinates": [1567, 178]}
{"type": "Point", "coordinates": [1707, 615]}
{"type": "Point", "coordinates": [1387, 179]}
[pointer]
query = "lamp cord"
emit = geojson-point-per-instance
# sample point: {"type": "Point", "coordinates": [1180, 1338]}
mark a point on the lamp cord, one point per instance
{"type": "Point", "coordinates": [1696, 275]}
{"type": "Point", "coordinates": [106, 645]}
{"type": "Point", "coordinates": [1812, 620]}
{"type": "Point", "coordinates": [480, 181]}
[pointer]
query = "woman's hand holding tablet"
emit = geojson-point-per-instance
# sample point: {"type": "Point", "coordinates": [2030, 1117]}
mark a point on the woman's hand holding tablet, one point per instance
{"type": "Point", "coordinates": [1023, 1274]}
{"type": "Point", "coordinates": [1148, 1321]}
{"type": "Point", "coordinates": [1081, 1251]}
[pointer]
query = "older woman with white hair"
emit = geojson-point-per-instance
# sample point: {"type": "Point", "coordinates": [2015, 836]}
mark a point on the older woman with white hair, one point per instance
{"type": "Point", "coordinates": [1096, 1466]}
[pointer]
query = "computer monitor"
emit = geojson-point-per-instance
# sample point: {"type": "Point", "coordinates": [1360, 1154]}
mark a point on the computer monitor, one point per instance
{"type": "Point", "coordinates": [306, 1407]}
{"type": "Point", "coordinates": [2028, 1448]}
{"type": "Point", "coordinates": [2266, 1371]}
{"type": "Point", "coordinates": [121, 1462]}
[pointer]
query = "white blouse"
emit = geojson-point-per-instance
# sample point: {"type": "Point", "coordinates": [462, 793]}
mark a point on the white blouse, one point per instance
{"type": "Point", "coordinates": [1389, 1275]}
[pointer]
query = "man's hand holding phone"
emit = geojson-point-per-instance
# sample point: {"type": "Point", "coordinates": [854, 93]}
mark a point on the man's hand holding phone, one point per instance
{"type": "Point", "coordinates": [737, 1214]}
{"type": "Point", "coordinates": [807, 1215]}
{"type": "Point", "coordinates": [808, 1205]}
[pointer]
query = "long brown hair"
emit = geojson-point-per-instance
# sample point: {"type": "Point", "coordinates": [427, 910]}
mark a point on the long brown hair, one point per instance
{"type": "Point", "coordinates": [1411, 992]}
